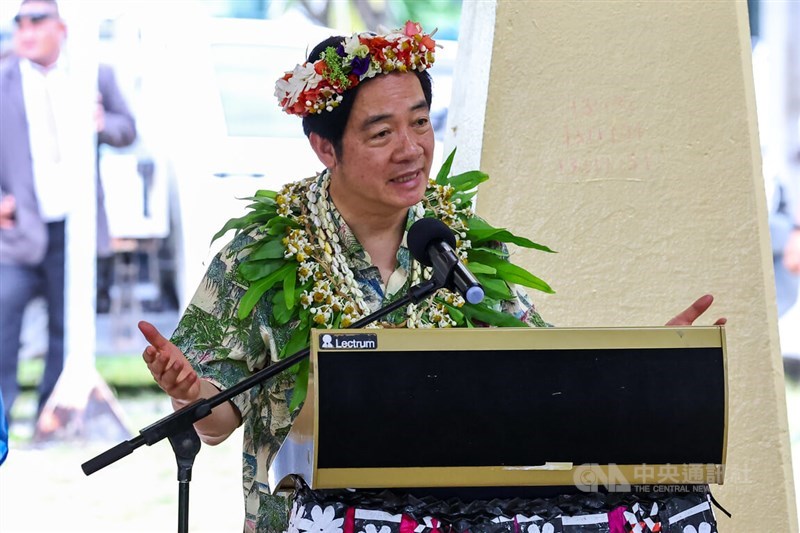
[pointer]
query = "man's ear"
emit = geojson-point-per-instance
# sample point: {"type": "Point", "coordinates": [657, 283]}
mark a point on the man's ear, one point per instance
{"type": "Point", "coordinates": [324, 150]}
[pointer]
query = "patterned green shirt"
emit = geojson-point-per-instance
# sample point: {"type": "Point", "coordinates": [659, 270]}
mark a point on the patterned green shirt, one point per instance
{"type": "Point", "coordinates": [224, 350]}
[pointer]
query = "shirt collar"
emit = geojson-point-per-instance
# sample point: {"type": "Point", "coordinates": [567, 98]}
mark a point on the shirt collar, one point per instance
{"type": "Point", "coordinates": [355, 254]}
{"type": "Point", "coordinates": [30, 67]}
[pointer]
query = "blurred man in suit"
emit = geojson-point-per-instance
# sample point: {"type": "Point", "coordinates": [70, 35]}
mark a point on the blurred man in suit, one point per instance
{"type": "Point", "coordinates": [37, 190]}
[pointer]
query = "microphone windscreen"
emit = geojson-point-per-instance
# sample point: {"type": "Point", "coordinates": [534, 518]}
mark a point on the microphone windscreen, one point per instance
{"type": "Point", "coordinates": [425, 232]}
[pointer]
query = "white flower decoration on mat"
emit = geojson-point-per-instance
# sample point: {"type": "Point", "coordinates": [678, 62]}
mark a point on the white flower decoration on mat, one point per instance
{"type": "Point", "coordinates": [372, 529]}
{"type": "Point", "coordinates": [705, 527]}
{"type": "Point", "coordinates": [321, 521]}
{"type": "Point", "coordinates": [295, 517]}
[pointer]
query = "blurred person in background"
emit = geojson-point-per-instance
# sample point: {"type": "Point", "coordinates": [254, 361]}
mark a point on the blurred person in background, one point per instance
{"type": "Point", "coordinates": [37, 191]}
{"type": "Point", "coordinates": [784, 227]}
{"type": "Point", "coordinates": [791, 250]}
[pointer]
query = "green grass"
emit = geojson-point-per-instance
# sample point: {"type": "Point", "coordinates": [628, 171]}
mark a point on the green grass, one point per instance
{"type": "Point", "coordinates": [123, 372]}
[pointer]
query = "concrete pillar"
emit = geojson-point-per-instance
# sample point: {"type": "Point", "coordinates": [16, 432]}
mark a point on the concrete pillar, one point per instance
{"type": "Point", "coordinates": [624, 135]}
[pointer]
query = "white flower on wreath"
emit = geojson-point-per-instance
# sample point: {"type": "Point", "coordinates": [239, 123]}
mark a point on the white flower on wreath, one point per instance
{"type": "Point", "coordinates": [393, 34]}
{"type": "Point", "coordinates": [353, 47]}
{"type": "Point", "coordinates": [321, 521]}
{"type": "Point", "coordinates": [373, 70]}
{"type": "Point", "coordinates": [303, 76]}
{"type": "Point", "coordinates": [372, 529]}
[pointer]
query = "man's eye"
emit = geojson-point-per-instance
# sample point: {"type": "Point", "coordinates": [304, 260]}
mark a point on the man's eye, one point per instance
{"type": "Point", "coordinates": [381, 134]}
{"type": "Point", "coordinates": [422, 121]}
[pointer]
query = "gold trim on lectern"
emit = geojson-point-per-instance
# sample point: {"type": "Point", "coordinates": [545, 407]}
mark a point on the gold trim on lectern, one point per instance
{"type": "Point", "coordinates": [432, 340]}
{"type": "Point", "coordinates": [489, 476]}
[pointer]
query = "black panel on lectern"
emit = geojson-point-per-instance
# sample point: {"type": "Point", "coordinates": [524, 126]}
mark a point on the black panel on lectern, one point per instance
{"type": "Point", "coordinates": [656, 406]}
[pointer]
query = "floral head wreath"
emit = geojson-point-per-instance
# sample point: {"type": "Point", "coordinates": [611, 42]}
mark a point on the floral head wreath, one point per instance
{"type": "Point", "coordinates": [317, 86]}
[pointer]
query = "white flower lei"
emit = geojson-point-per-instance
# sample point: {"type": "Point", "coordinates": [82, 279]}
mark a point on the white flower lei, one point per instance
{"type": "Point", "coordinates": [315, 245]}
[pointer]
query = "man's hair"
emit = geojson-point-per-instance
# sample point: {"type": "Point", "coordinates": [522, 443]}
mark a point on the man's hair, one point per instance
{"type": "Point", "coordinates": [330, 125]}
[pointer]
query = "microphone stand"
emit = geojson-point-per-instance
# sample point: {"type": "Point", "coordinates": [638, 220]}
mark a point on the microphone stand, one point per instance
{"type": "Point", "coordinates": [179, 429]}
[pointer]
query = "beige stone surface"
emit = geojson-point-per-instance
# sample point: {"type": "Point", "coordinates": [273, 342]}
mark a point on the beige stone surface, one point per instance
{"type": "Point", "coordinates": [624, 135]}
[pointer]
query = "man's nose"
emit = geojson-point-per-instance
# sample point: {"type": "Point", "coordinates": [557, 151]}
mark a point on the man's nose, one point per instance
{"type": "Point", "coordinates": [409, 144]}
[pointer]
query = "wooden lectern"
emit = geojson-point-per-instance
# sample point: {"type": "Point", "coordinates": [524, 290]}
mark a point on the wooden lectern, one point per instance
{"type": "Point", "coordinates": [508, 407]}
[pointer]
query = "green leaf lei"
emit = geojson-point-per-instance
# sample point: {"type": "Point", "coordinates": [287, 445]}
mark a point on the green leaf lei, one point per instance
{"type": "Point", "coordinates": [298, 260]}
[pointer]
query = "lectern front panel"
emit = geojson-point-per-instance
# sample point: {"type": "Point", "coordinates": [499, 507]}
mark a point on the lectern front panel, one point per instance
{"type": "Point", "coordinates": [560, 410]}
{"type": "Point", "coordinates": [513, 407]}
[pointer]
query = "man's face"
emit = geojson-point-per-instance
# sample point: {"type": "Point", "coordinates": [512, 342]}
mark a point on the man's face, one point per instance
{"type": "Point", "coordinates": [387, 147]}
{"type": "Point", "coordinates": [40, 33]}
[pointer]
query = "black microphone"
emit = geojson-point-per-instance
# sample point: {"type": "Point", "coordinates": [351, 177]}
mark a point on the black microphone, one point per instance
{"type": "Point", "coordinates": [432, 243]}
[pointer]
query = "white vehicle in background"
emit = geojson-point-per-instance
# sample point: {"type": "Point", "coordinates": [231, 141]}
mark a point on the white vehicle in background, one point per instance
{"type": "Point", "coordinates": [222, 132]}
